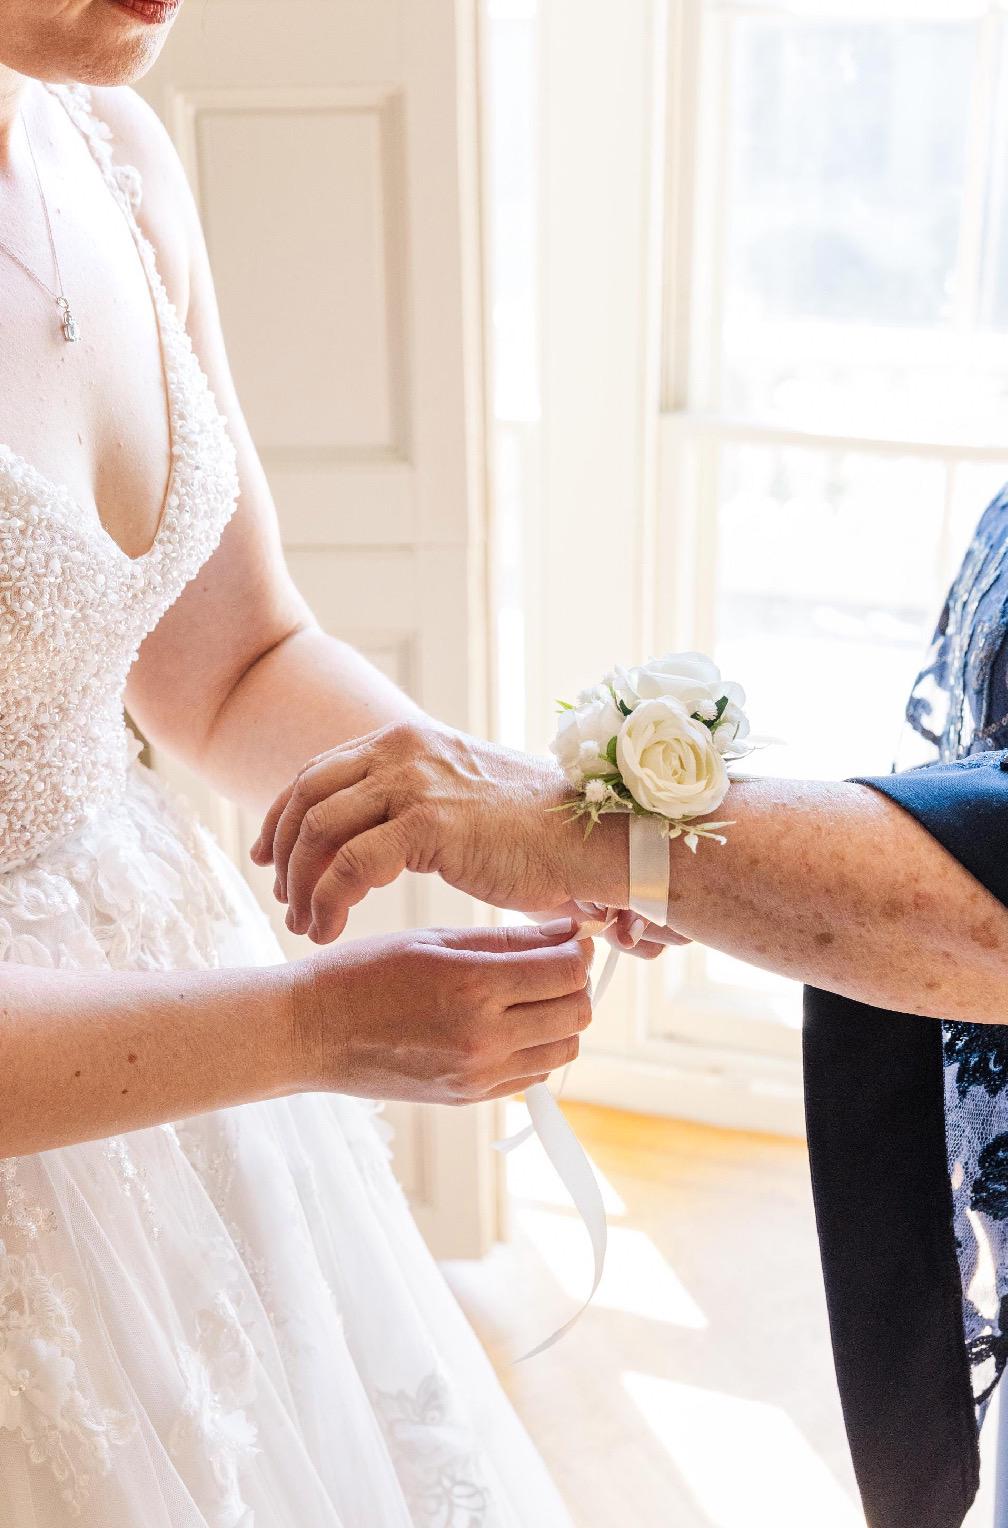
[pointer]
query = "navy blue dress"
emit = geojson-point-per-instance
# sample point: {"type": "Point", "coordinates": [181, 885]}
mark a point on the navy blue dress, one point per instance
{"type": "Point", "coordinates": [908, 1117]}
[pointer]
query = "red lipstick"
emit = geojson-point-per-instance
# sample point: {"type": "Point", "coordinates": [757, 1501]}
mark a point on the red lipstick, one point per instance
{"type": "Point", "coordinates": [154, 12]}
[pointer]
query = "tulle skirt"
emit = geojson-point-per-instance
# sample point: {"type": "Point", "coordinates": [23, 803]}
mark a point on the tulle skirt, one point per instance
{"type": "Point", "coordinates": [229, 1321]}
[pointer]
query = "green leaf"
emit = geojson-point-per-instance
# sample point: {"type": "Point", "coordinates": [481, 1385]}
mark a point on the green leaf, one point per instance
{"type": "Point", "coordinates": [610, 753]}
{"type": "Point", "coordinates": [722, 707]}
{"type": "Point", "coordinates": [564, 705]}
{"type": "Point", "coordinates": [624, 708]}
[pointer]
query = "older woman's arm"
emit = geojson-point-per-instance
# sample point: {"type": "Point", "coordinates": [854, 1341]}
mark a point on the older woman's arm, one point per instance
{"type": "Point", "coordinates": [830, 883]}
{"type": "Point", "coordinates": [839, 887]}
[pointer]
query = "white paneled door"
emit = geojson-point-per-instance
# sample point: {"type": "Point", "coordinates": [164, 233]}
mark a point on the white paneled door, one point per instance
{"type": "Point", "coordinates": [332, 145]}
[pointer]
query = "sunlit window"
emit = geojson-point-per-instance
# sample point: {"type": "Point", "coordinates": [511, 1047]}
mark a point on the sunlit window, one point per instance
{"type": "Point", "coordinates": [839, 410]}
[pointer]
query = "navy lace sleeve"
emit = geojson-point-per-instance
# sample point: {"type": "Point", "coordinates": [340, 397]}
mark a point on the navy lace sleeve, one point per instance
{"type": "Point", "coordinates": [907, 1117]}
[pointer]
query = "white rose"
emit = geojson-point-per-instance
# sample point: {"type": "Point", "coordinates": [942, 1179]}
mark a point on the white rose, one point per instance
{"type": "Point", "coordinates": [689, 678]}
{"type": "Point", "coordinates": [696, 682]}
{"type": "Point", "coordinates": [669, 762]}
{"type": "Point", "coordinates": [583, 735]}
{"type": "Point", "coordinates": [619, 681]}
{"type": "Point", "coordinates": [733, 728]}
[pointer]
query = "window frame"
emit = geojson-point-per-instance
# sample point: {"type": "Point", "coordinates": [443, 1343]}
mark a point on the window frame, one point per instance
{"type": "Point", "coordinates": [693, 429]}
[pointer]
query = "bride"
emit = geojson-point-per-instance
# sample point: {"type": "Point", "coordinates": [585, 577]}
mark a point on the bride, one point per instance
{"type": "Point", "coordinates": [210, 1316]}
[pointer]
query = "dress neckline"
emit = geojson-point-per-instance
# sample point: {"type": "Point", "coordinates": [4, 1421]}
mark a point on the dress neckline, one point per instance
{"type": "Point", "coordinates": [78, 110]}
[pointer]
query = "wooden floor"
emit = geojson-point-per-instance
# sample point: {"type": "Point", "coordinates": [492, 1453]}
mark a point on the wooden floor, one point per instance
{"type": "Point", "coordinates": [698, 1391]}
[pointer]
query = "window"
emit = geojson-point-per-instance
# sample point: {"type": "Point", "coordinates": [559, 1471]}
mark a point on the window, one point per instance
{"type": "Point", "coordinates": [832, 415]}
{"type": "Point", "coordinates": [847, 375]}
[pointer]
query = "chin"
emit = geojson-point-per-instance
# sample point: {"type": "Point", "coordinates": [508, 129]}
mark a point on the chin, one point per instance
{"type": "Point", "coordinates": [90, 42]}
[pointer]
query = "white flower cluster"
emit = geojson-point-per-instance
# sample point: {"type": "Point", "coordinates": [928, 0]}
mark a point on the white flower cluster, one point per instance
{"type": "Point", "coordinates": [657, 740]}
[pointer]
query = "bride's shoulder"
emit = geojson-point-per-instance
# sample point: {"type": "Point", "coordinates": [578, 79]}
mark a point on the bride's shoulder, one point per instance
{"type": "Point", "coordinates": [141, 147]}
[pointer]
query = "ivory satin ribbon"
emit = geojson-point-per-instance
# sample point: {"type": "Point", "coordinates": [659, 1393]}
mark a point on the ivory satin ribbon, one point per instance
{"type": "Point", "coordinates": [649, 887]}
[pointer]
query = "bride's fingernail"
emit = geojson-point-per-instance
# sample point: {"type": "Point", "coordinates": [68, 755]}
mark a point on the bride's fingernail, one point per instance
{"type": "Point", "coordinates": [556, 927]}
{"type": "Point", "coordinates": [635, 931]}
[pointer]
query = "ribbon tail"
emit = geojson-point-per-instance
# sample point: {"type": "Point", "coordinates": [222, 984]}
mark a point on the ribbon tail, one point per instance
{"type": "Point", "coordinates": [512, 1142]}
{"type": "Point", "coordinates": [608, 972]}
{"type": "Point", "coordinates": [568, 1156]}
{"type": "Point", "coordinates": [571, 1162]}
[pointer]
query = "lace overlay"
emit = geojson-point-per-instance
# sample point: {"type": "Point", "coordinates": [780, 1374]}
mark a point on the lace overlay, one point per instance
{"type": "Point", "coordinates": [431, 1454]}
{"type": "Point", "coordinates": [214, 1433]}
{"type": "Point", "coordinates": [959, 707]}
{"type": "Point", "coordinates": [41, 1399]}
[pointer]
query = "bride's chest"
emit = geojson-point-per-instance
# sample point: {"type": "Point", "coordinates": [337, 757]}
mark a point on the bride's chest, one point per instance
{"type": "Point", "coordinates": [91, 416]}
{"type": "Point", "coordinates": [73, 605]}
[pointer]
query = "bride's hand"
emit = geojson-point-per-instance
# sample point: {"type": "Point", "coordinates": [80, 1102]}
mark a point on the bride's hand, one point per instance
{"type": "Point", "coordinates": [629, 932]}
{"type": "Point", "coordinates": [442, 1016]}
{"type": "Point", "coordinates": [425, 798]}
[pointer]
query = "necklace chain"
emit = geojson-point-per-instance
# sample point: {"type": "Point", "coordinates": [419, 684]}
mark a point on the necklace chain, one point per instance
{"type": "Point", "coordinates": [68, 323]}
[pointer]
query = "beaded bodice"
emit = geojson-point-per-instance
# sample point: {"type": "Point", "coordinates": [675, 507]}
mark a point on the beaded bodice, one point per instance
{"type": "Point", "coordinates": [74, 607]}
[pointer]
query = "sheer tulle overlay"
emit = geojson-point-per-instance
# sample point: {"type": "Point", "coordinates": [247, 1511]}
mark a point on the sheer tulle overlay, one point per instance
{"type": "Point", "coordinates": [229, 1321]}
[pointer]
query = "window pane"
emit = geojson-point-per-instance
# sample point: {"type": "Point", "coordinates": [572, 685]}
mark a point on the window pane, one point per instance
{"type": "Point", "coordinates": [851, 301]}
{"type": "Point", "coordinates": [831, 570]}
{"type": "Point", "coordinates": [848, 150]}
{"type": "Point", "coordinates": [828, 589]}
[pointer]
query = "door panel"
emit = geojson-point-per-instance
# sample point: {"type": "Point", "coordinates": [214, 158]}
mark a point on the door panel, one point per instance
{"type": "Point", "coordinates": [331, 145]}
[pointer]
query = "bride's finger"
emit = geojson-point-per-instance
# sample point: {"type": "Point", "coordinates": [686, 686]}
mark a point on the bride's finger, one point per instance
{"type": "Point", "coordinates": [376, 858]}
{"type": "Point", "coordinates": [335, 772]}
{"type": "Point", "coordinates": [325, 828]}
{"type": "Point", "coordinates": [662, 937]}
{"type": "Point", "coordinates": [553, 1022]}
{"type": "Point", "coordinates": [546, 1058]}
{"type": "Point", "coordinates": [630, 931]}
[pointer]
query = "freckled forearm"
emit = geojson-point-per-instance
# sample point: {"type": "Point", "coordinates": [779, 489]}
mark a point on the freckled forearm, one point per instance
{"type": "Point", "coordinates": [87, 1055]}
{"type": "Point", "coordinates": [308, 694]}
{"type": "Point", "coordinates": [835, 886]}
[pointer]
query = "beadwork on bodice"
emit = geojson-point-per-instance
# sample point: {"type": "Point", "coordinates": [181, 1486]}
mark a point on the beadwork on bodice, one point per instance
{"type": "Point", "coordinates": [74, 607]}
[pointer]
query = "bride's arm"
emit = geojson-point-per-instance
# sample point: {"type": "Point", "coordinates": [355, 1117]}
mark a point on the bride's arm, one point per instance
{"type": "Point", "coordinates": [443, 1017]}
{"type": "Point", "coordinates": [237, 679]}
{"type": "Point", "coordinates": [85, 1056]}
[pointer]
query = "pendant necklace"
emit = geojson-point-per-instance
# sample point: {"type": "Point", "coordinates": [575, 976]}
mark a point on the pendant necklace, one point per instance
{"type": "Point", "coordinates": [68, 324]}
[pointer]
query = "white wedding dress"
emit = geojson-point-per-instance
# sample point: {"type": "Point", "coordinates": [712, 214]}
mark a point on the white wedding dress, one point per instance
{"type": "Point", "coordinates": [228, 1321]}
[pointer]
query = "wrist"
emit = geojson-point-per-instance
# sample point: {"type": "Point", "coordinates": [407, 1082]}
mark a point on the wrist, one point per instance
{"type": "Point", "coordinates": [309, 1024]}
{"type": "Point", "coordinates": [256, 1031]}
{"type": "Point", "coordinates": [600, 861]}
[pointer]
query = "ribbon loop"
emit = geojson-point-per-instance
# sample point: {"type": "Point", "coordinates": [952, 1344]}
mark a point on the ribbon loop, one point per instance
{"type": "Point", "coordinates": [649, 870]}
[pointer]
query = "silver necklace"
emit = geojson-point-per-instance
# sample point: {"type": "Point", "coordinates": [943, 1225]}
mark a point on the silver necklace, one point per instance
{"type": "Point", "coordinates": [68, 324]}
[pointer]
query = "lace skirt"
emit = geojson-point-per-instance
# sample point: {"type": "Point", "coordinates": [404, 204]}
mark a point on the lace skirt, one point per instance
{"type": "Point", "coordinates": [230, 1321]}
